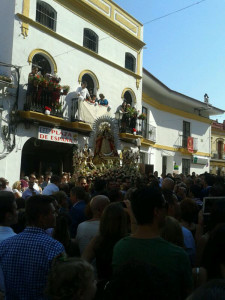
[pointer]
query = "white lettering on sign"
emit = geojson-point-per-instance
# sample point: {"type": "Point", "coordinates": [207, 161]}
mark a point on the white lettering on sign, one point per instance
{"type": "Point", "coordinates": [57, 135]}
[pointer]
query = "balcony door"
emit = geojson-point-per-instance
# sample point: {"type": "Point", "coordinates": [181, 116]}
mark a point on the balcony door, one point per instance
{"type": "Point", "coordinates": [186, 133]}
{"type": "Point", "coordinates": [220, 149]}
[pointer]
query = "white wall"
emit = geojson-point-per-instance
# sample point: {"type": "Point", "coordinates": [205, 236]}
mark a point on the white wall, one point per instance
{"type": "Point", "coordinates": [169, 128]}
{"type": "Point", "coordinates": [7, 9]}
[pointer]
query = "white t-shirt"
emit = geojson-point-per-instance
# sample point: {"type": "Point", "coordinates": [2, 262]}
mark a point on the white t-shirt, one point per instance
{"type": "Point", "coordinates": [85, 233]}
{"type": "Point", "coordinates": [83, 92]}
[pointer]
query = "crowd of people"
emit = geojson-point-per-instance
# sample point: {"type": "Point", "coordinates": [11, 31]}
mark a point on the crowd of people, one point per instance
{"type": "Point", "coordinates": [117, 236]}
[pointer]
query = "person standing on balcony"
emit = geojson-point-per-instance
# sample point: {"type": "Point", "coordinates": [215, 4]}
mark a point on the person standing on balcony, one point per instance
{"type": "Point", "coordinates": [82, 94]}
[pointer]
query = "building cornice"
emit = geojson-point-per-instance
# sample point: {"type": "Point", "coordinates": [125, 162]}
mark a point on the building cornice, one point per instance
{"type": "Point", "coordinates": [107, 21]}
{"type": "Point", "coordinates": [175, 111]}
{"type": "Point", "coordinates": [76, 46]}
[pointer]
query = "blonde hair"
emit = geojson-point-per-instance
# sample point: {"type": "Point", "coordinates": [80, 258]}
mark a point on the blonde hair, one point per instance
{"type": "Point", "coordinates": [16, 185]}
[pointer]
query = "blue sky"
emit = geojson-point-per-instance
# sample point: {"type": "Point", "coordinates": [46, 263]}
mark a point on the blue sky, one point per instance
{"type": "Point", "coordinates": [186, 50]}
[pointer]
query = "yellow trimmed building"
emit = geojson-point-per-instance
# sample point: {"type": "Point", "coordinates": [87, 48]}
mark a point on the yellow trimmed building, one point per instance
{"type": "Point", "coordinates": [217, 162]}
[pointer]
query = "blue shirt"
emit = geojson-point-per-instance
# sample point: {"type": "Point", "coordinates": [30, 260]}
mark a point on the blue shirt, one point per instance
{"type": "Point", "coordinates": [5, 233]}
{"type": "Point", "coordinates": [77, 216]}
{"type": "Point", "coordinates": [50, 189]}
{"type": "Point", "coordinates": [28, 193]}
{"type": "Point", "coordinates": [25, 260]}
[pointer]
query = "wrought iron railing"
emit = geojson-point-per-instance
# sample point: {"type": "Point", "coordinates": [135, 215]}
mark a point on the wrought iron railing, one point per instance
{"type": "Point", "coordinates": [182, 142]}
{"type": "Point", "coordinates": [40, 97]}
{"type": "Point", "coordinates": [128, 124]}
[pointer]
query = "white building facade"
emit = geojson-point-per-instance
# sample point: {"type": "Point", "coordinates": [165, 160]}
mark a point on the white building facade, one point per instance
{"type": "Point", "coordinates": [177, 118]}
{"type": "Point", "coordinates": [91, 40]}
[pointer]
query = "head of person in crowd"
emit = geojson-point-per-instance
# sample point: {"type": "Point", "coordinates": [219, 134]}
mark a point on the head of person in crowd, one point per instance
{"type": "Point", "coordinates": [115, 195]}
{"type": "Point", "coordinates": [213, 259]}
{"type": "Point", "coordinates": [41, 179]}
{"type": "Point", "coordinates": [40, 211]}
{"type": "Point", "coordinates": [136, 280]}
{"type": "Point", "coordinates": [61, 198]}
{"type": "Point", "coordinates": [148, 206]}
{"type": "Point", "coordinates": [17, 185]}
{"type": "Point", "coordinates": [26, 178]}
{"type": "Point", "coordinates": [181, 191]}
{"type": "Point", "coordinates": [172, 205]}
{"type": "Point", "coordinates": [172, 232]}
{"type": "Point", "coordinates": [188, 211]}
{"type": "Point", "coordinates": [71, 278]}
{"type": "Point", "coordinates": [32, 177]}
{"type": "Point", "coordinates": [77, 194]}
{"type": "Point", "coordinates": [212, 290]}
{"type": "Point", "coordinates": [99, 186]}
{"type": "Point", "coordinates": [168, 184]}
{"type": "Point", "coordinates": [8, 209]}
{"type": "Point", "coordinates": [48, 177]}
{"type": "Point", "coordinates": [195, 191]}
{"type": "Point", "coordinates": [64, 178]}
{"type": "Point", "coordinates": [31, 184]}
{"type": "Point", "coordinates": [156, 174]}
{"type": "Point", "coordinates": [98, 204]}
{"type": "Point", "coordinates": [209, 180]}
{"type": "Point", "coordinates": [3, 184]}
{"type": "Point", "coordinates": [84, 84]}
{"type": "Point", "coordinates": [113, 223]}
{"type": "Point", "coordinates": [24, 185]}
{"type": "Point", "coordinates": [55, 180]}
{"type": "Point", "coordinates": [82, 181]}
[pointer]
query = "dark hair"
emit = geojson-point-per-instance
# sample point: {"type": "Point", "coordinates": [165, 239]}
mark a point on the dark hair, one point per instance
{"type": "Point", "coordinates": [143, 203]}
{"type": "Point", "coordinates": [196, 190]}
{"type": "Point", "coordinates": [84, 82]}
{"type": "Point", "coordinates": [36, 206]}
{"type": "Point", "coordinates": [79, 192]}
{"type": "Point", "coordinates": [188, 210]}
{"type": "Point", "coordinates": [3, 183]}
{"type": "Point", "coordinates": [209, 179]}
{"type": "Point", "coordinates": [212, 290]}
{"type": "Point", "coordinates": [99, 185]}
{"type": "Point", "coordinates": [80, 178]}
{"type": "Point", "coordinates": [113, 223]}
{"type": "Point", "coordinates": [61, 230]}
{"type": "Point", "coordinates": [6, 204]}
{"type": "Point", "coordinates": [55, 179]}
{"type": "Point", "coordinates": [214, 253]}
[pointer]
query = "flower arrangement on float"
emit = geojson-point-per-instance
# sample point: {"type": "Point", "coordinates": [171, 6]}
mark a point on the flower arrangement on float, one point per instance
{"type": "Point", "coordinates": [134, 131]}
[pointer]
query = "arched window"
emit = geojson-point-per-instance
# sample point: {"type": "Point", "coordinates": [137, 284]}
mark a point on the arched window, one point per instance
{"type": "Point", "coordinates": [42, 63]}
{"type": "Point", "coordinates": [46, 15]}
{"type": "Point", "coordinates": [130, 62]}
{"type": "Point", "coordinates": [90, 40]}
{"type": "Point", "coordinates": [90, 83]}
{"type": "Point", "coordinates": [128, 97]}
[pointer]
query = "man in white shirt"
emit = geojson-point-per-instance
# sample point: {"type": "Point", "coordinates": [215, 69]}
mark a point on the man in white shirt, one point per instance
{"type": "Point", "coordinates": [52, 187]}
{"type": "Point", "coordinates": [89, 229]}
{"type": "Point", "coordinates": [82, 93]}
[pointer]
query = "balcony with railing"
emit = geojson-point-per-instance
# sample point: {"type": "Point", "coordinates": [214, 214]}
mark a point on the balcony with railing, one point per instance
{"type": "Point", "coordinates": [182, 142]}
{"type": "Point", "coordinates": [45, 103]}
{"type": "Point", "coordinates": [133, 127]}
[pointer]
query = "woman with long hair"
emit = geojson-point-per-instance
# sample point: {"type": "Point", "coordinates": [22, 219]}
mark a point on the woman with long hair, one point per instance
{"type": "Point", "coordinates": [113, 227]}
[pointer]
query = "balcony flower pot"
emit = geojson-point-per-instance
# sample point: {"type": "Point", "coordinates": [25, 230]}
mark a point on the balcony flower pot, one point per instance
{"type": "Point", "coordinates": [47, 110]}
